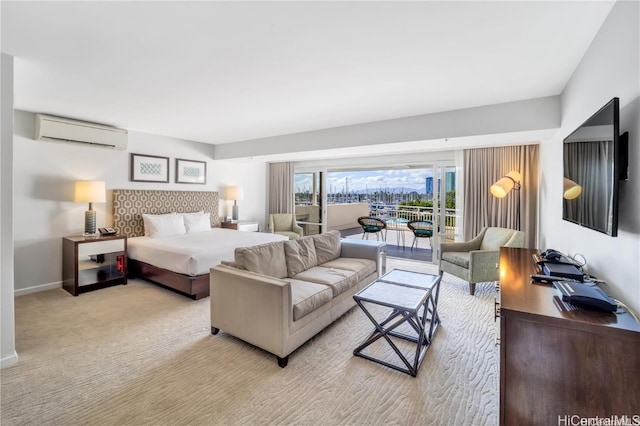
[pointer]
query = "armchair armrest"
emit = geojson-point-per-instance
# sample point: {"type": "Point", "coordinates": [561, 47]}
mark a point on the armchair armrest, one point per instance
{"type": "Point", "coordinates": [462, 246]}
{"type": "Point", "coordinates": [483, 265]}
{"type": "Point", "coordinates": [253, 307]}
{"type": "Point", "coordinates": [297, 228]}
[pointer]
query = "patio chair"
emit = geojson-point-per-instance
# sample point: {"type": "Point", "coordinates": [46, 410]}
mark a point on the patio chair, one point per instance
{"type": "Point", "coordinates": [421, 229]}
{"type": "Point", "coordinates": [477, 260]}
{"type": "Point", "coordinates": [373, 225]}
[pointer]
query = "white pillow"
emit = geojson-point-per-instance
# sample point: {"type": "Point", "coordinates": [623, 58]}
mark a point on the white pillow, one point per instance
{"type": "Point", "coordinates": [160, 225]}
{"type": "Point", "coordinates": [145, 220]}
{"type": "Point", "coordinates": [197, 222]}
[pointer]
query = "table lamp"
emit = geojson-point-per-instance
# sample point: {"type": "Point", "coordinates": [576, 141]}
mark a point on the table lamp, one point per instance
{"type": "Point", "coordinates": [90, 192]}
{"type": "Point", "coordinates": [234, 193]}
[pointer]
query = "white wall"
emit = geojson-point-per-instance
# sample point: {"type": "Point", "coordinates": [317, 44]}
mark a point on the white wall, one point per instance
{"type": "Point", "coordinates": [8, 353]}
{"type": "Point", "coordinates": [609, 69]}
{"type": "Point", "coordinates": [44, 175]}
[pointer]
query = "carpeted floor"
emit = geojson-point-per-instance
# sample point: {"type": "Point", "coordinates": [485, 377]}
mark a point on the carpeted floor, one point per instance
{"type": "Point", "coordinates": [142, 355]}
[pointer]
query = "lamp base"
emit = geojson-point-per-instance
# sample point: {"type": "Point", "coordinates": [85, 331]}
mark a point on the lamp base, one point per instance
{"type": "Point", "coordinates": [234, 213]}
{"type": "Point", "coordinates": [89, 222]}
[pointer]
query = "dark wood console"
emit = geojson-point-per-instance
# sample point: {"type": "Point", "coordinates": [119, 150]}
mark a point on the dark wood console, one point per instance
{"type": "Point", "coordinates": [557, 362]}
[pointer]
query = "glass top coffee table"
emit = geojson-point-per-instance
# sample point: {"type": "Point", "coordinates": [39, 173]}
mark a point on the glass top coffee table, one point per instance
{"type": "Point", "coordinates": [411, 298]}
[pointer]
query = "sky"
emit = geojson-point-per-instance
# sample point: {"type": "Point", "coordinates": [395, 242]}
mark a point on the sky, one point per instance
{"type": "Point", "coordinates": [409, 179]}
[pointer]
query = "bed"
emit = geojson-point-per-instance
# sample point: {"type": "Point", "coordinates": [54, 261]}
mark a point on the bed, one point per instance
{"type": "Point", "coordinates": [178, 262]}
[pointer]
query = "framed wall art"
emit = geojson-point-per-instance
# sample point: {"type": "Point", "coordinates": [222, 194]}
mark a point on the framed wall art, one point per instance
{"type": "Point", "coordinates": [190, 171]}
{"type": "Point", "coordinates": [149, 168]}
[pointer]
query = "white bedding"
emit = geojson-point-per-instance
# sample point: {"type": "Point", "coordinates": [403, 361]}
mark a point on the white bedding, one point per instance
{"type": "Point", "coordinates": [195, 253]}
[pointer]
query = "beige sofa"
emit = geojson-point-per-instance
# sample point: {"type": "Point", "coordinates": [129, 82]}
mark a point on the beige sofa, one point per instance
{"type": "Point", "coordinates": [278, 295]}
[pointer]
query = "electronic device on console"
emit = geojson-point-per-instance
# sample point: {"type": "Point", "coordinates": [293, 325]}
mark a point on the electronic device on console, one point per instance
{"type": "Point", "coordinates": [555, 256]}
{"type": "Point", "coordinates": [554, 264]}
{"type": "Point", "coordinates": [585, 296]}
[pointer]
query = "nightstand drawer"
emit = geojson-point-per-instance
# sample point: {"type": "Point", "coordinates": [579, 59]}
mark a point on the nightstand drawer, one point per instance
{"type": "Point", "coordinates": [100, 247]}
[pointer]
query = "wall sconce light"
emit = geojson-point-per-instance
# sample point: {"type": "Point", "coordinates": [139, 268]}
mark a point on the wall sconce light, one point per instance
{"type": "Point", "coordinates": [234, 193]}
{"type": "Point", "coordinates": [90, 192]}
{"type": "Point", "coordinates": [504, 185]}
{"type": "Point", "coordinates": [570, 189]}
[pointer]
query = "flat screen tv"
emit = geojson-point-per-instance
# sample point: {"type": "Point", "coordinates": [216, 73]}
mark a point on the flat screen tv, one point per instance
{"type": "Point", "coordinates": [594, 161]}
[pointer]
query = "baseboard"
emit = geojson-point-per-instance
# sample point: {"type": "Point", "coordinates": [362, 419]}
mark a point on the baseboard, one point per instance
{"type": "Point", "coordinates": [9, 360]}
{"type": "Point", "coordinates": [37, 288]}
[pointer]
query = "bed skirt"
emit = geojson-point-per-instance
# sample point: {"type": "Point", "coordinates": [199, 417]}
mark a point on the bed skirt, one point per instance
{"type": "Point", "coordinates": [196, 287]}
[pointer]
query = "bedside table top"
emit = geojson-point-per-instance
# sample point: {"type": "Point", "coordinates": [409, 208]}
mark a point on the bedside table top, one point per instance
{"type": "Point", "coordinates": [241, 222]}
{"type": "Point", "coordinates": [83, 239]}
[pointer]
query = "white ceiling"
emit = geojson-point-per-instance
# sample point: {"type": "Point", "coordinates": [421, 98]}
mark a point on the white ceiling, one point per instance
{"type": "Point", "coordinates": [220, 72]}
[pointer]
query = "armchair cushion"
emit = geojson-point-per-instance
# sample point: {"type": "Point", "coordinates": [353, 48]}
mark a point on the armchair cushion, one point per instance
{"type": "Point", "coordinates": [457, 258]}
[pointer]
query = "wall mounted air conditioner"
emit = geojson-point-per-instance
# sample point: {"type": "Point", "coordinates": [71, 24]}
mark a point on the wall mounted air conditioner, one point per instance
{"type": "Point", "coordinates": [58, 129]}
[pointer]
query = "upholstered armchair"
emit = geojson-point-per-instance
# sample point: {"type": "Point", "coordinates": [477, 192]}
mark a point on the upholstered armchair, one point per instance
{"type": "Point", "coordinates": [285, 224]}
{"type": "Point", "coordinates": [477, 260]}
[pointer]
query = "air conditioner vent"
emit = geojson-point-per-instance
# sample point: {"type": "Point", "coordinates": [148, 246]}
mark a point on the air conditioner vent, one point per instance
{"type": "Point", "coordinates": [58, 129]}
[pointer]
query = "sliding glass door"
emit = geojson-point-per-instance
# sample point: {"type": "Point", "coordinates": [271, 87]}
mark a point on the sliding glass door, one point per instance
{"type": "Point", "coordinates": [447, 207]}
{"type": "Point", "coordinates": [309, 199]}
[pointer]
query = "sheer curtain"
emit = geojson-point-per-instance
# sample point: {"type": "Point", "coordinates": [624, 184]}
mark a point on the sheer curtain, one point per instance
{"type": "Point", "coordinates": [483, 167]}
{"type": "Point", "coordinates": [281, 188]}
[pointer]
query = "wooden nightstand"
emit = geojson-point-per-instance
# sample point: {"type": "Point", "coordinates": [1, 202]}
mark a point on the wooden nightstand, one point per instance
{"type": "Point", "coordinates": [93, 263]}
{"type": "Point", "coordinates": [242, 225]}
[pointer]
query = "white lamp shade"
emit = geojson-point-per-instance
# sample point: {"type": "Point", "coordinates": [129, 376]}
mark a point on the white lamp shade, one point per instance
{"type": "Point", "coordinates": [233, 193]}
{"type": "Point", "coordinates": [501, 188]}
{"type": "Point", "coordinates": [90, 192]}
{"type": "Point", "coordinates": [570, 189]}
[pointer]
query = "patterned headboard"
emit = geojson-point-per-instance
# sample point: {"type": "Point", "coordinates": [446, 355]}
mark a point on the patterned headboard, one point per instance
{"type": "Point", "coordinates": [130, 204]}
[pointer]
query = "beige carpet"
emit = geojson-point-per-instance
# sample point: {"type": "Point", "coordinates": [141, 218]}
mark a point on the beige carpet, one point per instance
{"type": "Point", "coordinates": [142, 355]}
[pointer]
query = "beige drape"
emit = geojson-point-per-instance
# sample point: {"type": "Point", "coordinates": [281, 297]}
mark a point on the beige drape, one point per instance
{"type": "Point", "coordinates": [281, 182]}
{"type": "Point", "coordinates": [483, 167]}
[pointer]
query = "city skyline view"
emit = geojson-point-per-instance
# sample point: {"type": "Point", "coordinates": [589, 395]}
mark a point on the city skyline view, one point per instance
{"type": "Point", "coordinates": [406, 180]}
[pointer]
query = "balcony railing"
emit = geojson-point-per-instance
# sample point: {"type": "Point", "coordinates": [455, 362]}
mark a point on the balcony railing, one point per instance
{"type": "Point", "coordinates": [412, 213]}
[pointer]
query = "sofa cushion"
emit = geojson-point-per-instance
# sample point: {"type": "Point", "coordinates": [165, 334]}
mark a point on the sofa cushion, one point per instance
{"type": "Point", "coordinates": [327, 246]}
{"type": "Point", "coordinates": [457, 258]}
{"type": "Point", "coordinates": [307, 297]}
{"type": "Point", "coordinates": [300, 255]}
{"type": "Point", "coordinates": [340, 280]}
{"type": "Point", "coordinates": [267, 259]}
{"type": "Point", "coordinates": [362, 267]}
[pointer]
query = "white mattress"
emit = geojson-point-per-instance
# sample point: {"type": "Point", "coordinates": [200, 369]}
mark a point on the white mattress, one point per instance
{"type": "Point", "coordinates": [196, 253]}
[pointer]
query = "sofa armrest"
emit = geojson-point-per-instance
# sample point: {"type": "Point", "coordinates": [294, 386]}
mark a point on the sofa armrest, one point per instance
{"type": "Point", "coordinates": [362, 249]}
{"type": "Point", "coordinates": [253, 307]}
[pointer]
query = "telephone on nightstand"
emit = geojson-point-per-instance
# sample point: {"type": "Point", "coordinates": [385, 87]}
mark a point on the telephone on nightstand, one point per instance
{"type": "Point", "coordinates": [107, 231]}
